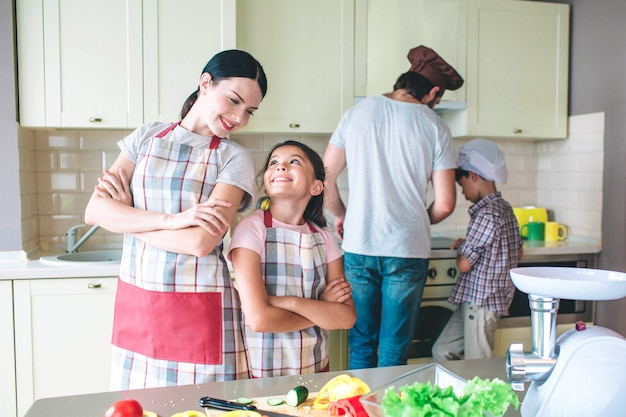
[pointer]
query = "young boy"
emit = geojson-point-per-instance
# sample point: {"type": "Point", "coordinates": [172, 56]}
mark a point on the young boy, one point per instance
{"type": "Point", "coordinates": [492, 247]}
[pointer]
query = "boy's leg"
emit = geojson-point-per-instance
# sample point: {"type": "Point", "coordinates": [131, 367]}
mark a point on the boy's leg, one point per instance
{"type": "Point", "coordinates": [480, 330]}
{"type": "Point", "coordinates": [449, 345]}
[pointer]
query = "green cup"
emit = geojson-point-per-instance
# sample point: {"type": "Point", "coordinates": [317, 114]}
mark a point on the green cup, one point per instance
{"type": "Point", "coordinates": [533, 230]}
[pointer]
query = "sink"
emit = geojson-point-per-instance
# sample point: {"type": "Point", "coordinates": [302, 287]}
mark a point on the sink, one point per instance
{"type": "Point", "coordinates": [95, 257]}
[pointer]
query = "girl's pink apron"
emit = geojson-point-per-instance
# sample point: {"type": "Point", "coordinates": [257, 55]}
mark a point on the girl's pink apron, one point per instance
{"type": "Point", "coordinates": [294, 264]}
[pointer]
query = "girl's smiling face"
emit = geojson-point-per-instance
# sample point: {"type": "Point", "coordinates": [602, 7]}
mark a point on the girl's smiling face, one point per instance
{"type": "Point", "coordinates": [228, 104]}
{"type": "Point", "coordinates": [290, 173]}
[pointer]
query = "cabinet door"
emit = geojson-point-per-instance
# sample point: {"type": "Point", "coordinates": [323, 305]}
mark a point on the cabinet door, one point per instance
{"type": "Point", "coordinates": [394, 27]}
{"type": "Point", "coordinates": [80, 63]}
{"type": "Point", "coordinates": [179, 39]}
{"type": "Point", "coordinates": [63, 337]}
{"type": "Point", "coordinates": [517, 69]}
{"type": "Point", "coordinates": [8, 407]}
{"type": "Point", "coordinates": [307, 51]}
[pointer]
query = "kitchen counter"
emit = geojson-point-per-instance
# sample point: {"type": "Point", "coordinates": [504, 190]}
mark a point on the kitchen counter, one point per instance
{"type": "Point", "coordinates": [16, 266]}
{"type": "Point", "coordinates": [170, 400]}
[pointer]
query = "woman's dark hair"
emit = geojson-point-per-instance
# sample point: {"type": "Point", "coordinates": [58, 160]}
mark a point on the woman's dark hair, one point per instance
{"type": "Point", "coordinates": [314, 211]}
{"type": "Point", "coordinates": [416, 85]}
{"type": "Point", "coordinates": [228, 64]}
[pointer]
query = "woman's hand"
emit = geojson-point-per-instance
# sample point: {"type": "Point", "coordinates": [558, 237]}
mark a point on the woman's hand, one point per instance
{"type": "Point", "coordinates": [206, 215]}
{"type": "Point", "coordinates": [114, 187]}
{"type": "Point", "coordinates": [337, 291]}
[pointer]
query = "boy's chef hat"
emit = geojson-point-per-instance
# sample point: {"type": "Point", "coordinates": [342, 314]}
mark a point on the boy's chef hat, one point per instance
{"type": "Point", "coordinates": [484, 158]}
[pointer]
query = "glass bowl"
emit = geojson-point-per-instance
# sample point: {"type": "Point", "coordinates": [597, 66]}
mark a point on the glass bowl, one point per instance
{"type": "Point", "coordinates": [435, 373]}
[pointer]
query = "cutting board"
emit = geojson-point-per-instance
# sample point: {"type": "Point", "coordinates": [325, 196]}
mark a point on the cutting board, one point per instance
{"type": "Point", "coordinates": [303, 410]}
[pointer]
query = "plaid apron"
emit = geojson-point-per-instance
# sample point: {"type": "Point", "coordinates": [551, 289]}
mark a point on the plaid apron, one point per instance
{"type": "Point", "coordinates": [294, 264]}
{"type": "Point", "coordinates": [177, 317]}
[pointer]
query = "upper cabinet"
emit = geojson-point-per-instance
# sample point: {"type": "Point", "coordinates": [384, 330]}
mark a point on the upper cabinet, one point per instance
{"type": "Point", "coordinates": [512, 54]}
{"type": "Point", "coordinates": [114, 64]}
{"type": "Point", "coordinates": [395, 27]}
{"type": "Point", "coordinates": [517, 70]}
{"type": "Point", "coordinates": [307, 51]}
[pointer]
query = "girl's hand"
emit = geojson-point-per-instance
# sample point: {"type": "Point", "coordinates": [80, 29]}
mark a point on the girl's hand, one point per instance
{"type": "Point", "coordinates": [337, 291]}
{"type": "Point", "coordinates": [205, 215]}
{"type": "Point", "coordinates": [116, 188]}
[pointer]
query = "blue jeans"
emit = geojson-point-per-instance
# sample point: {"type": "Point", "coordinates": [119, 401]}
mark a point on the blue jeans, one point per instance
{"type": "Point", "coordinates": [387, 293]}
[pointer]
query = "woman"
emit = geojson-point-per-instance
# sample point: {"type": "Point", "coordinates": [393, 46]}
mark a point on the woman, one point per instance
{"type": "Point", "coordinates": [173, 191]}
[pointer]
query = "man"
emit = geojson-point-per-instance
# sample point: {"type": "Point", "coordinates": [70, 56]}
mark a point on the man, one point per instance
{"type": "Point", "coordinates": [393, 145]}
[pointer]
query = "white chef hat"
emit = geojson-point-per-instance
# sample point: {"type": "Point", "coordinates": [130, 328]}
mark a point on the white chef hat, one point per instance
{"type": "Point", "coordinates": [484, 158]}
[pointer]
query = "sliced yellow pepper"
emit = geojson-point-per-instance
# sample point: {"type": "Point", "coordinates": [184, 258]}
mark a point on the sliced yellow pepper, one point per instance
{"type": "Point", "coordinates": [147, 413]}
{"type": "Point", "coordinates": [341, 386]}
{"type": "Point", "coordinates": [190, 413]}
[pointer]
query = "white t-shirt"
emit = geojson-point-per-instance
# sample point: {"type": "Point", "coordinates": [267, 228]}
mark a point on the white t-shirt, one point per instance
{"type": "Point", "coordinates": [235, 163]}
{"type": "Point", "coordinates": [391, 149]}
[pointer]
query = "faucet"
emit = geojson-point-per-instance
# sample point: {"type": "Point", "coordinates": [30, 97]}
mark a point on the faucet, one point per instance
{"type": "Point", "coordinates": [71, 245]}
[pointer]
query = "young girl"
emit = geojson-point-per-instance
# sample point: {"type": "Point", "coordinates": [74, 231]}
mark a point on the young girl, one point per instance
{"type": "Point", "coordinates": [289, 270]}
{"type": "Point", "coordinates": [173, 191]}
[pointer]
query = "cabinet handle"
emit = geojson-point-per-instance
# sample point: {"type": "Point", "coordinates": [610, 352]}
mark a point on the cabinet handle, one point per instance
{"type": "Point", "coordinates": [95, 119]}
{"type": "Point", "coordinates": [517, 131]}
{"type": "Point", "coordinates": [294, 125]}
{"type": "Point", "coordinates": [94, 285]}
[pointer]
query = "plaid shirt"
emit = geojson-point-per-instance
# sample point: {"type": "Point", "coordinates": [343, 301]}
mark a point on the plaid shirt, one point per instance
{"type": "Point", "coordinates": [491, 247]}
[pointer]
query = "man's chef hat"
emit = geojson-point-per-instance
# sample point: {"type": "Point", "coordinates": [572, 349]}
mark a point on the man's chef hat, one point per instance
{"type": "Point", "coordinates": [429, 64]}
{"type": "Point", "coordinates": [484, 158]}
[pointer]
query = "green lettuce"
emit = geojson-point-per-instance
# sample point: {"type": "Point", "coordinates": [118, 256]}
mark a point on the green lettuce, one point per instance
{"type": "Point", "coordinates": [480, 397]}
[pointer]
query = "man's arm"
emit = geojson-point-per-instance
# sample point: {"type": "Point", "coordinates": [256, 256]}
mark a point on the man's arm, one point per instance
{"type": "Point", "coordinates": [445, 195]}
{"type": "Point", "coordinates": [335, 163]}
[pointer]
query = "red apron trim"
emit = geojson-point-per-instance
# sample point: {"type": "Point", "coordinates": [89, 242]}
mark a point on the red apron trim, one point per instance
{"type": "Point", "coordinates": [168, 129]}
{"type": "Point", "coordinates": [267, 220]}
{"type": "Point", "coordinates": [153, 324]}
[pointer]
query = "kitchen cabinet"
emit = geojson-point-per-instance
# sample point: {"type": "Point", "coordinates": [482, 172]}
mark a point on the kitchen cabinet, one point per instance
{"type": "Point", "coordinates": [62, 337]}
{"type": "Point", "coordinates": [517, 70]}
{"type": "Point", "coordinates": [8, 406]}
{"type": "Point", "coordinates": [307, 51]}
{"type": "Point", "coordinates": [114, 64]}
{"type": "Point", "coordinates": [395, 27]}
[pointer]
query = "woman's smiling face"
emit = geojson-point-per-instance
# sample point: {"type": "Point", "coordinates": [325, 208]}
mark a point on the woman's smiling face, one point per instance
{"type": "Point", "coordinates": [228, 104]}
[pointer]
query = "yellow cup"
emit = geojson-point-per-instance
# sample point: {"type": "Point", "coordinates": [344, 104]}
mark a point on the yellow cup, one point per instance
{"type": "Point", "coordinates": [555, 231]}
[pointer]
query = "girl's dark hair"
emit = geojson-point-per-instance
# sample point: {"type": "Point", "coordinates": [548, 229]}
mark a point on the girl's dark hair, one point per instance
{"type": "Point", "coordinates": [416, 85]}
{"type": "Point", "coordinates": [228, 64]}
{"type": "Point", "coordinates": [314, 211]}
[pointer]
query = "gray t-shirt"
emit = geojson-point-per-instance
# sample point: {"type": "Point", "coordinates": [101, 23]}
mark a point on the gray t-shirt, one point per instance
{"type": "Point", "coordinates": [235, 164]}
{"type": "Point", "coordinates": [391, 149]}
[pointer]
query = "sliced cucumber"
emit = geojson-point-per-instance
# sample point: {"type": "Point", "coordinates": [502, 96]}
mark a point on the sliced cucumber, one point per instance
{"type": "Point", "coordinates": [297, 395]}
{"type": "Point", "coordinates": [244, 400]}
{"type": "Point", "coordinates": [274, 401]}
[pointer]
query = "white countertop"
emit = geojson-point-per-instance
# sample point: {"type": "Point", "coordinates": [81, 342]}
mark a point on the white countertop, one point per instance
{"type": "Point", "coordinates": [14, 265]}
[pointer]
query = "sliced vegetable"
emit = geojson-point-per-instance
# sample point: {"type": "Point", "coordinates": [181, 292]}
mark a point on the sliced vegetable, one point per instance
{"type": "Point", "coordinates": [244, 400]}
{"type": "Point", "coordinates": [297, 395]}
{"type": "Point", "coordinates": [340, 387]}
{"type": "Point", "coordinates": [275, 401]}
{"type": "Point", "coordinates": [427, 399]}
{"type": "Point", "coordinates": [241, 413]}
{"type": "Point", "coordinates": [147, 413]}
{"type": "Point", "coordinates": [189, 413]}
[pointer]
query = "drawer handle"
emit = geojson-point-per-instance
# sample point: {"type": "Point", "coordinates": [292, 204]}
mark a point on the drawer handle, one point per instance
{"type": "Point", "coordinates": [95, 120]}
{"type": "Point", "coordinates": [517, 131]}
{"type": "Point", "coordinates": [294, 125]}
{"type": "Point", "coordinates": [94, 285]}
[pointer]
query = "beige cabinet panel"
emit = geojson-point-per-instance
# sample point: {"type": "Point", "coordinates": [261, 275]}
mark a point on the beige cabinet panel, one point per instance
{"type": "Point", "coordinates": [79, 63]}
{"type": "Point", "coordinates": [62, 337]}
{"type": "Point", "coordinates": [8, 407]}
{"type": "Point", "coordinates": [307, 51]}
{"type": "Point", "coordinates": [179, 38]}
{"type": "Point", "coordinates": [517, 70]}
{"type": "Point", "coordinates": [115, 64]}
{"type": "Point", "coordinates": [394, 27]}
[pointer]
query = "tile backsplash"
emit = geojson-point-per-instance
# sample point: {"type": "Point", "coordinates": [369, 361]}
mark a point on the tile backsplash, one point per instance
{"type": "Point", "coordinates": [59, 168]}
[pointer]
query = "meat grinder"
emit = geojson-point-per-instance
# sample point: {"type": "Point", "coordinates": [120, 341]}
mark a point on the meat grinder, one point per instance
{"type": "Point", "coordinates": [583, 372]}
